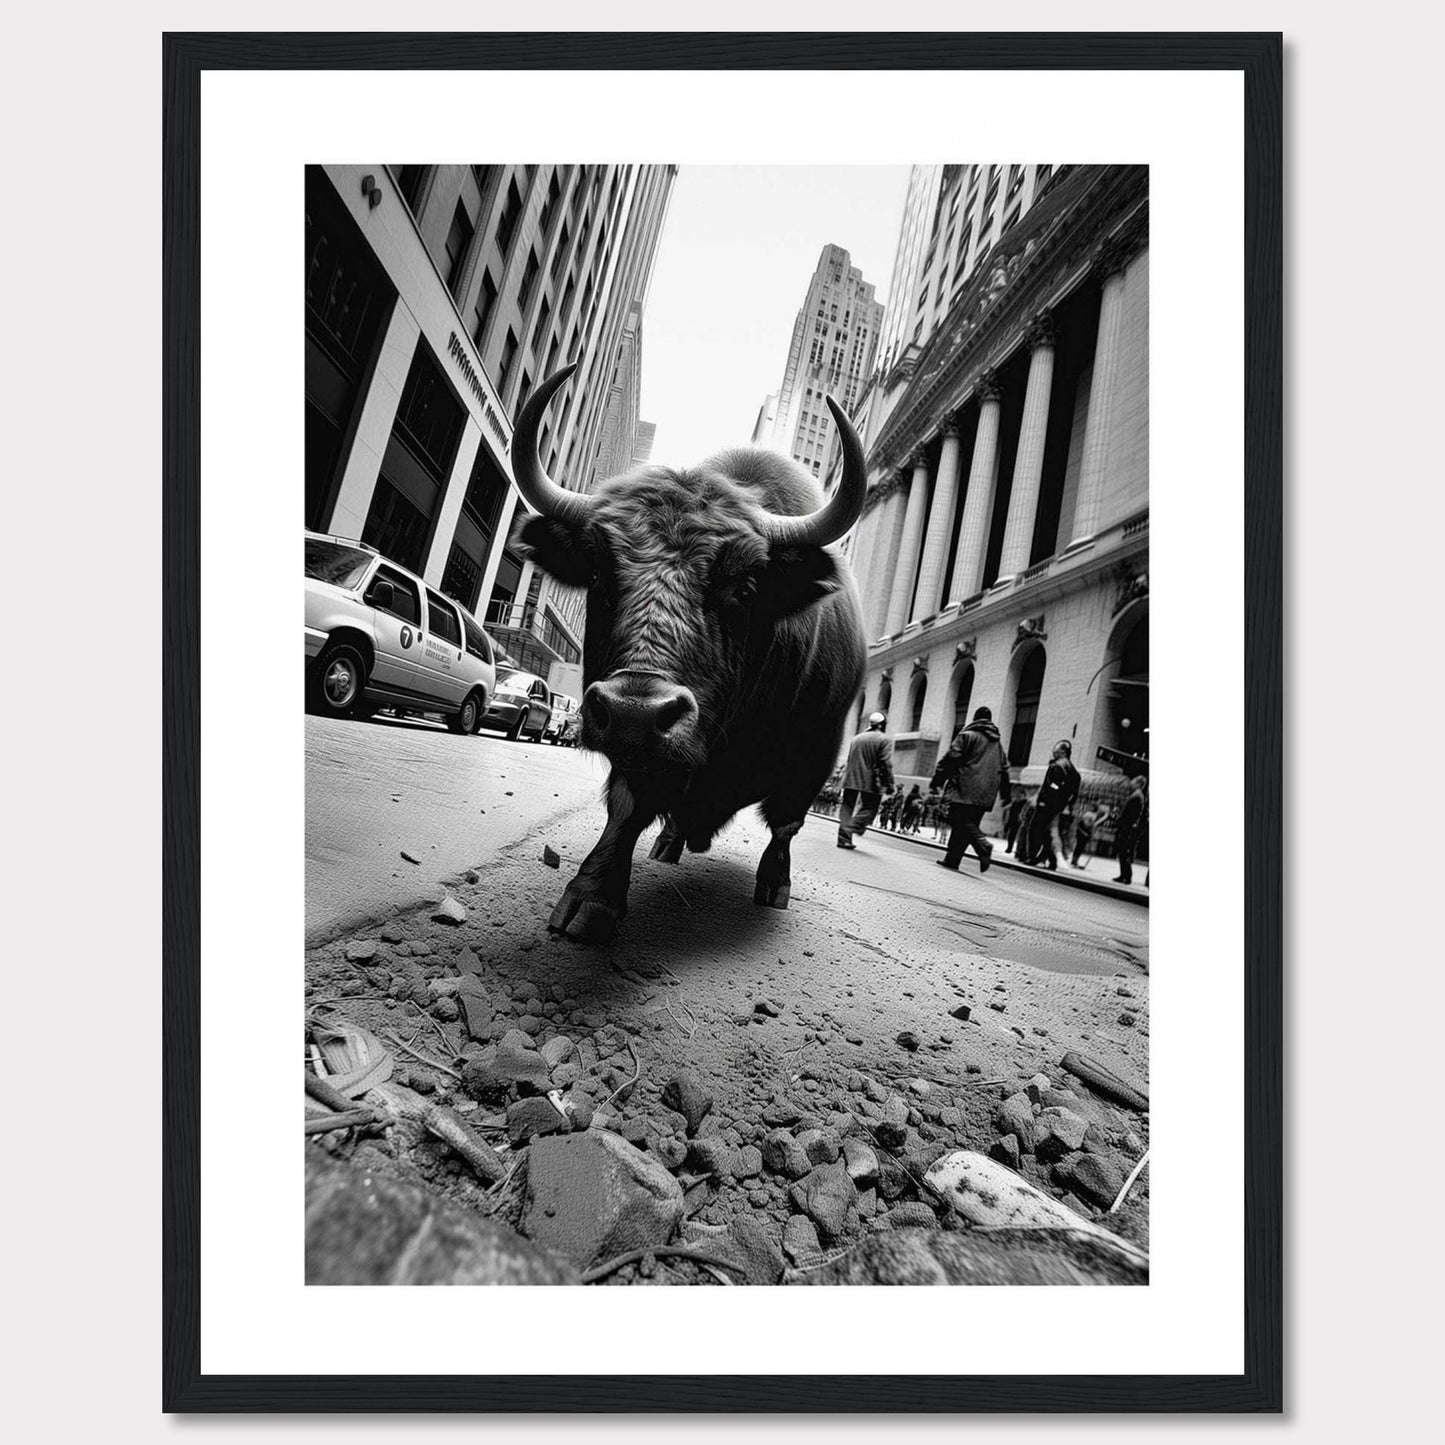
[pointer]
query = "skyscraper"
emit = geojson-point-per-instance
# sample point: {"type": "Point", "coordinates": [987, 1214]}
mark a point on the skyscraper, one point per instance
{"type": "Point", "coordinates": [834, 341]}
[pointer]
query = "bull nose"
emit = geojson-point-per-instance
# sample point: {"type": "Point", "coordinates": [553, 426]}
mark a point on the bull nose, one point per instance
{"type": "Point", "coordinates": [638, 713]}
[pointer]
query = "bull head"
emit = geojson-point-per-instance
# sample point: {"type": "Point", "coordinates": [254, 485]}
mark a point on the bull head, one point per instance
{"type": "Point", "coordinates": [688, 575]}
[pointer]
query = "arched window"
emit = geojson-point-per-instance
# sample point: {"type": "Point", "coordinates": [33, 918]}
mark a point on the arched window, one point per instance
{"type": "Point", "coordinates": [885, 696]}
{"type": "Point", "coordinates": [915, 710]}
{"type": "Point", "coordinates": [1026, 707]}
{"type": "Point", "coordinates": [962, 696]}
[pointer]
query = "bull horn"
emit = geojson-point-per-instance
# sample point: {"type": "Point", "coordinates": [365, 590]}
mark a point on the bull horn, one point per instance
{"type": "Point", "coordinates": [538, 490]}
{"type": "Point", "coordinates": [819, 528]}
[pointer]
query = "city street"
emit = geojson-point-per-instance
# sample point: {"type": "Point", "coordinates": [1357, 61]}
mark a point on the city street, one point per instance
{"type": "Point", "coordinates": [847, 995]}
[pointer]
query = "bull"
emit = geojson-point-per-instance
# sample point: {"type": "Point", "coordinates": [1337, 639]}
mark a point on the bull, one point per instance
{"type": "Point", "coordinates": [724, 648]}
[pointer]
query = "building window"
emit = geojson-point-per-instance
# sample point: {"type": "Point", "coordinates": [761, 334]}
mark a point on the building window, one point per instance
{"type": "Point", "coordinates": [459, 238]}
{"type": "Point", "coordinates": [507, 225]}
{"type": "Point", "coordinates": [1026, 708]}
{"type": "Point", "coordinates": [483, 311]}
{"type": "Point", "coordinates": [1042, 179]}
{"type": "Point", "coordinates": [529, 279]}
{"type": "Point", "coordinates": [560, 254]}
{"type": "Point", "coordinates": [525, 390]}
{"type": "Point", "coordinates": [509, 354]}
{"type": "Point", "coordinates": [567, 296]}
{"type": "Point", "coordinates": [552, 351]}
{"type": "Point", "coordinates": [411, 182]}
{"type": "Point", "coordinates": [549, 207]}
{"type": "Point", "coordinates": [544, 315]}
{"type": "Point", "coordinates": [461, 581]}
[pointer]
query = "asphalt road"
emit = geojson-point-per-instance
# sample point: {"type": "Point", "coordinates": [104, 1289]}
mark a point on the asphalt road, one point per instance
{"type": "Point", "coordinates": [381, 790]}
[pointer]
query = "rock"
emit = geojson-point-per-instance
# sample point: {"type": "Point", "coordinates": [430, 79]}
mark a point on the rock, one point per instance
{"type": "Point", "coordinates": [564, 1075]}
{"type": "Point", "coordinates": [686, 1093]}
{"type": "Point", "coordinates": [393, 933]}
{"type": "Point", "coordinates": [749, 1162]}
{"type": "Point", "coordinates": [555, 1050]}
{"type": "Point", "coordinates": [635, 1131]}
{"type": "Point", "coordinates": [889, 1134]}
{"type": "Point", "coordinates": [1127, 1019]}
{"type": "Point", "coordinates": [407, 857]}
{"type": "Point", "coordinates": [963, 1012]}
{"type": "Point", "coordinates": [820, 1145]}
{"type": "Point", "coordinates": [362, 1228]}
{"type": "Point", "coordinates": [893, 1178]}
{"type": "Point", "coordinates": [856, 1039]}
{"type": "Point", "coordinates": [767, 1006]}
{"type": "Point", "coordinates": [550, 856]}
{"type": "Point", "coordinates": [921, 1087]}
{"type": "Point", "coordinates": [1058, 1132]}
{"type": "Point", "coordinates": [757, 1249]}
{"type": "Point", "coordinates": [780, 1113]}
{"type": "Point", "coordinates": [672, 1151]}
{"type": "Point", "coordinates": [476, 1006]}
{"type": "Point", "coordinates": [1016, 1116]}
{"type": "Point", "coordinates": [528, 1118]}
{"type": "Point", "coordinates": [908, 1040]}
{"type": "Point", "coordinates": [784, 1155]}
{"type": "Point", "coordinates": [710, 1156]}
{"type": "Point", "coordinates": [1095, 1177]}
{"type": "Point", "coordinates": [449, 911]}
{"type": "Point", "coordinates": [530, 1025]}
{"type": "Point", "coordinates": [1037, 1087]}
{"type": "Point", "coordinates": [490, 1075]}
{"type": "Point", "coordinates": [1000, 1257]}
{"type": "Point", "coordinates": [445, 1010]}
{"type": "Point", "coordinates": [912, 1214]}
{"type": "Point", "coordinates": [593, 1196]}
{"type": "Point", "coordinates": [800, 1239]}
{"type": "Point", "coordinates": [998, 1007]}
{"type": "Point", "coordinates": [827, 1195]}
{"type": "Point", "coordinates": [860, 1161]}
{"type": "Point", "coordinates": [1006, 1150]}
{"type": "Point", "coordinates": [443, 987]}
{"type": "Point", "coordinates": [362, 951]}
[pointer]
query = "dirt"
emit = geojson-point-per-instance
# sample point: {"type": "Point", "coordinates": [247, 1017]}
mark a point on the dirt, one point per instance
{"type": "Point", "coordinates": [799, 1010]}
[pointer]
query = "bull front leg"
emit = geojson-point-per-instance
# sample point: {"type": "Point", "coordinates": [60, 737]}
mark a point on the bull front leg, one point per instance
{"type": "Point", "coordinates": [775, 873]}
{"type": "Point", "coordinates": [668, 846]}
{"type": "Point", "coordinates": [595, 901]}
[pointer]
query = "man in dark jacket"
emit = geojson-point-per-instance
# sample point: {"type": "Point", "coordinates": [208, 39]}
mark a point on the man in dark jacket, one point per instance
{"type": "Point", "coordinates": [867, 776]}
{"type": "Point", "coordinates": [1058, 791]}
{"type": "Point", "coordinates": [1131, 820]}
{"type": "Point", "coordinates": [972, 773]}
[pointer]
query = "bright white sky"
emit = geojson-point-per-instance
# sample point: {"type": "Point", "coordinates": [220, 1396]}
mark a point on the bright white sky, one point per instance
{"type": "Point", "coordinates": [738, 249]}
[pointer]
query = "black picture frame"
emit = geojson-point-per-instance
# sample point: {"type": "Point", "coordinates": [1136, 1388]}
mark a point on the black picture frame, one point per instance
{"type": "Point", "coordinates": [1258, 56]}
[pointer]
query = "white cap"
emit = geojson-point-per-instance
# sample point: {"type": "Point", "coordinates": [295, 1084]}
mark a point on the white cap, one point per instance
{"type": "Point", "coordinates": [876, 719]}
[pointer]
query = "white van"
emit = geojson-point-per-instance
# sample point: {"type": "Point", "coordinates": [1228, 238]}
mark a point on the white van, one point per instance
{"type": "Point", "coordinates": [378, 636]}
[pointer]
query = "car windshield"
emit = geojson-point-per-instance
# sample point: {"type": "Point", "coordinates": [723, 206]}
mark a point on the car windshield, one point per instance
{"type": "Point", "coordinates": [332, 562]}
{"type": "Point", "coordinates": [514, 682]}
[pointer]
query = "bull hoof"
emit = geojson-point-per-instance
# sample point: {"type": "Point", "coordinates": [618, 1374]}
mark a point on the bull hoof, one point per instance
{"type": "Point", "coordinates": [765, 896]}
{"type": "Point", "coordinates": [593, 923]}
{"type": "Point", "coordinates": [667, 850]}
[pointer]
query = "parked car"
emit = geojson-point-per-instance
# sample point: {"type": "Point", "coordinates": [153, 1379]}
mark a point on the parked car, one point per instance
{"type": "Point", "coordinates": [564, 709]}
{"type": "Point", "coordinates": [378, 636]}
{"type": "Point", "coordinates": [571, 730]}
{"type": "Point", "coordinates": [521, 706]}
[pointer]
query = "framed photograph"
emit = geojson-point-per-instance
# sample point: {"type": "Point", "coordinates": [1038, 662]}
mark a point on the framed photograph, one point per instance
{"type": "Point", "coordinates": [708, 848]}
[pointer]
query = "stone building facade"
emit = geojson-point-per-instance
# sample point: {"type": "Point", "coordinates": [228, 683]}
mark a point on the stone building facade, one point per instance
{"type": "Point", "coordinates": [1002, 557]}
{"type": "Point", "coordinates": [436, 298]}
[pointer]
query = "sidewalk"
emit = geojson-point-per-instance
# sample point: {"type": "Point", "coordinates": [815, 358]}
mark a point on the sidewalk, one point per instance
{"type": "Point", "coordinates": [1097, 877]}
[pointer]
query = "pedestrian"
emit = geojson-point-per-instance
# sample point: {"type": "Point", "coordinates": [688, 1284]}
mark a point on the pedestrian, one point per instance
{"type": "Point", "coordinates": [972, 773]}
{"type": "Point", "coordinates": [1084, 835]}
{"type": "Point", "coordinates": [912, 809]}
{"type": "Point", "coordinates": [1131, 820]}
{"type": "Point", "coordinates": [866, 776]}
{"type": "Point", "coordinates": [1013, 816]}
{"type": "Point", "coordinates": [1060, 788]}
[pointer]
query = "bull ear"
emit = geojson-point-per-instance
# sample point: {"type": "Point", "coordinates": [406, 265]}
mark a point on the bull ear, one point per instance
{"type": "Point", "coordinates": [796, 578]}
{"type": "Point", "coordinates": [559, 548]}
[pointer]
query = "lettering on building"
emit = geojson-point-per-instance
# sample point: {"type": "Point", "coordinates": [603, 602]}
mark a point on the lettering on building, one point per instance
{"type": "Point", "coordinates": [458, 353]}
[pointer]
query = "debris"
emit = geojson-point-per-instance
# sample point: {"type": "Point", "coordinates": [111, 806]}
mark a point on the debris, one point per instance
{"type": "Point", "coordinates": [784, 1155]}
{"type": "Point", "coordinates": [1096, 1178]}
{"type": "Point", "coordinates": [662, 1251]}
{"type": "Point", "coordinates": [550, 856]}
{"type": "Point", "coordinates": [800, 1239]}
{"type": "Point", "coordinates": [364, 950]}
{"type": "Point", "coordinates": [354, 1058]}
{"type": "Point", "coordinates": [407, 856]}
{"type": "Point", "coordinates": [1105, 1082]}
{"type": "Point", "coordinates": [908, 1040]}
{"type": "Point", "coordinates": [352, 1119]}
{"type": "Point", "coordinates": [686, 1093]}
{"type": "Point", "coordinates": [962, 1012]}
{"type": "Point", "coordinates": [449, 911]}
{"type": "Point", "coordinates": [828, 1195]}
{"type": "Point", "coordinates": [1016, 1116]}
{"type": "Point", "coordinates": [1129, 1182]}
{"type": "Point", "coordinates": [362, 1228]}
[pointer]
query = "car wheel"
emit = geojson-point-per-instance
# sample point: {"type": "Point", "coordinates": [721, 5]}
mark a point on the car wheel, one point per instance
{"type": "Point", "coordinates": [515, 731]}
{"type": "Point", "coordinates": [465, 721]}
{"type": "Point", "coordinates": [340, 677]}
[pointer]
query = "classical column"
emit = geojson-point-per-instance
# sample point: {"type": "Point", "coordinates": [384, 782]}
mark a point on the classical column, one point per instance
{"type": "Point", "coordinates": [1103, 395]}
{"type": "Point", "coordinates": [973, 529]}
{"type": "Point", "coordinates": [940, 526]}
{"type": "Point", "coordinates": [883, 560]}
{"type": "Point", "coordinates": [1023, 503]}
{"type": "Point", "coordinates": [908, 547]}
